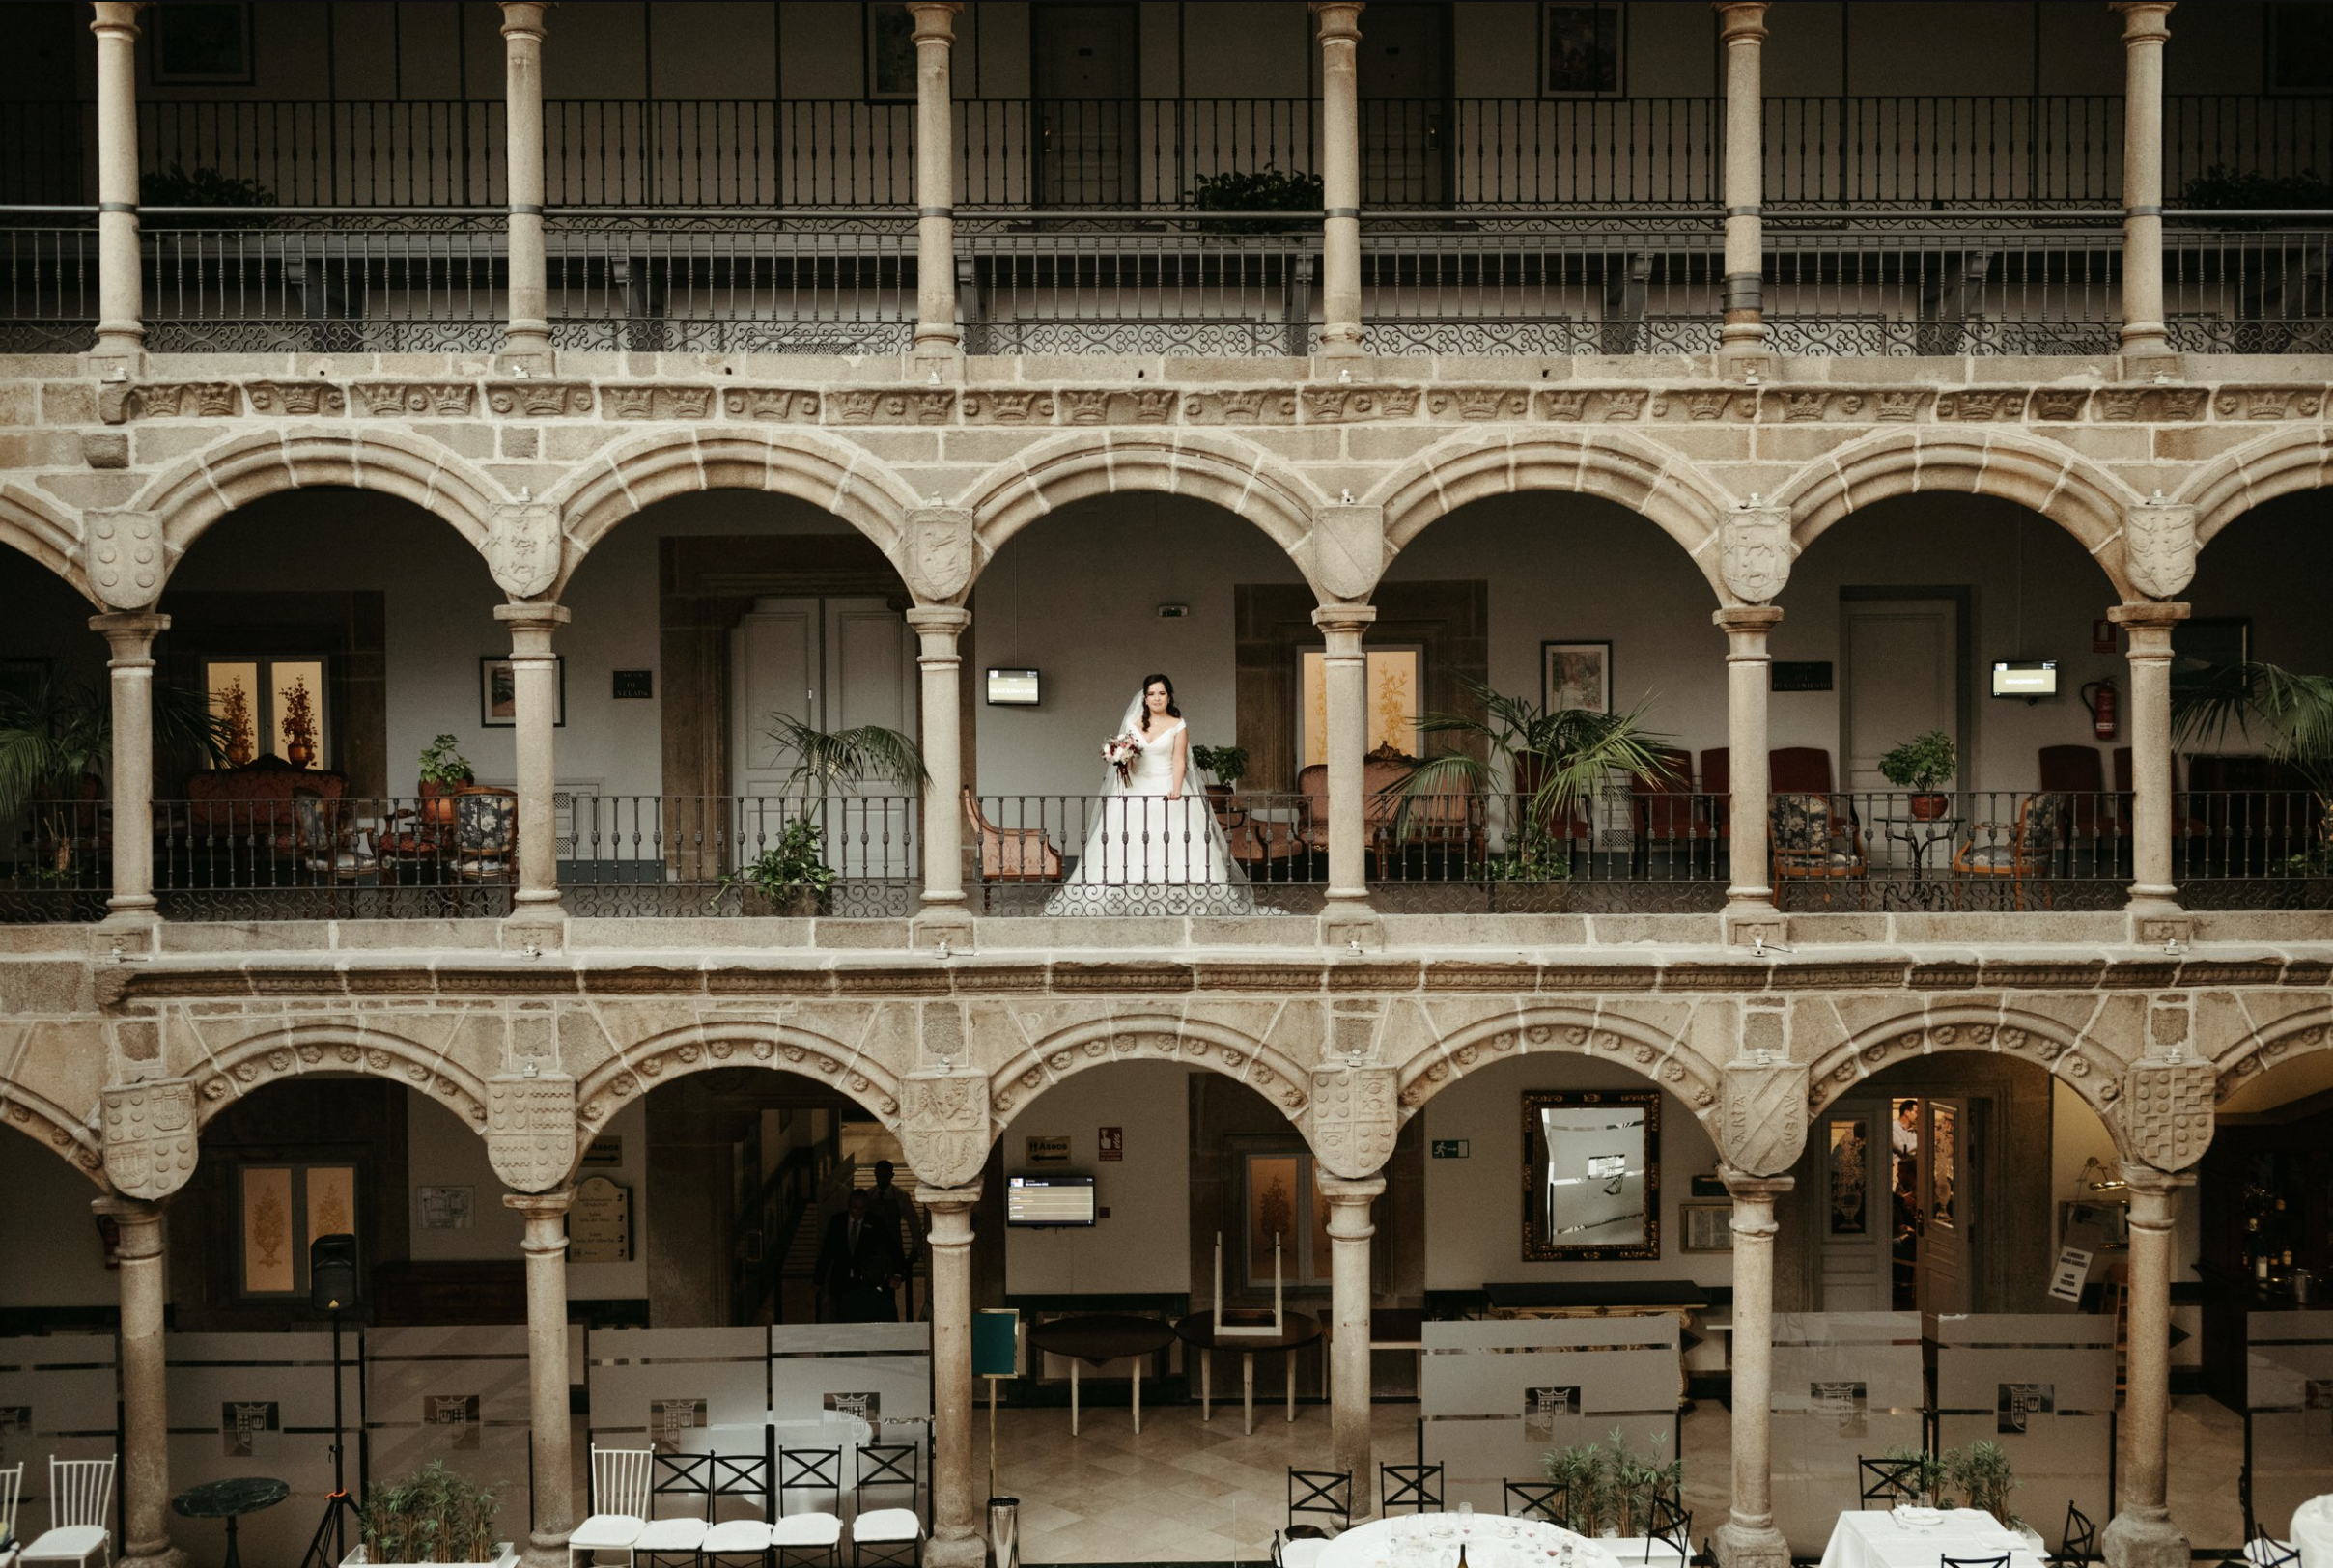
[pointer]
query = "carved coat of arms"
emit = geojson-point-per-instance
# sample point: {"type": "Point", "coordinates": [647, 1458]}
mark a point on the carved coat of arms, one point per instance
{"type": "Point", "coordinates": [150, 1138]}
{"type": "Point", "coordinates": [938, 548]}
{"type": "Point", "coordinates": [530, 1128]}
{"type": "Point", "coordinates": [1755, 553]}
{"type": "Point", "coordinates": [945, 1118]}
{"type": "Point", "coordinates": [2167, 1111]}
{"type": "Point", "coordinates": [2158, 549]}
{"type": "Point", "coordinates": [1356, 1117]}
{"type": "Point", "coordinates": [1348, 549]}
{"type": "Point", "coordinates": [522, 550]}
{"type": "Point", "coordinates": [1766, 1116]}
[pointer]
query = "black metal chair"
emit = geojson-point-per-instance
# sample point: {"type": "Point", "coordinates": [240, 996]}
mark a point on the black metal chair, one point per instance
{"type": "Point", "coordinates": [1550, 1500]}
{"type": "Point", "coordinates": [1300, 1548]}
{"type": "Point", "coordinates": [1669, 1526]}
{"type": "Point", "coordinates": [1888, 1481]}
{"type": "Point", "coordinates": [1409, 1486]}
{"type": "Point", "coordinates": [811, 1532]}
{"type": "Point", "coordinates": [2079, 1542]}
{"type": "Point", "coordinates": [888, 1537]}
{"type": "Point", "coordinates": [2000, 1561]}
{"type": "Point", "coordinates": [1327, 1493]}
{"type": "Point", "coordinates": [680, 1536]}
{"type": "Point", "coordinates": [742, 1540]}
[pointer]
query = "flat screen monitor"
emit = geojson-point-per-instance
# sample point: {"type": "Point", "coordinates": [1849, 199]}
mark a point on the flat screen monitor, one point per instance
{"type": "Point", "coordinates": [2025, 678]}
{"type": "Point", "coordinates": [1013, 688]}
{"type": "Point", "coordinates": [1049, 1200]}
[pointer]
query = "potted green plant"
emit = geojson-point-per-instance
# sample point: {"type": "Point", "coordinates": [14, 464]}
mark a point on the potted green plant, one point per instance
{"type": "Point", "coordinates": [433, 1516]}
{"type": "Point", "coordinates": [1920, 764]}
{"type": "Point", "coordinates": [444, 770]}
{"type": "Point", "coordinates": [1982, 1470]}
{"type": "Point", "coordinates": [1225, 767]}
{"type": "Point", "coordinates": [1926, 1474]}
{"type": "Point", "coordinates": [2297, 712]}
{"type": "Point", "coordinates": [1267, 190]}
{"type": "Point", "coordinates": [794, 878]}
{"type": "Point", "coordinates": [55, 742]}
{"type": "Point", "coordinates": [1635, 1482]}
{"type": "Point", "coordinates": [1580, 1472]}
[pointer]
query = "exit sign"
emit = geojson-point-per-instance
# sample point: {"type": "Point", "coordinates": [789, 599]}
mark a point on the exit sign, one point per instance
{"type": "Point", "coordinates": [1451, 1148]}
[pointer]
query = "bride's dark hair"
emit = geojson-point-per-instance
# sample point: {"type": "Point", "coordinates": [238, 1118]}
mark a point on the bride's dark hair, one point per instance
{"type": "Point", "coordinates": [1149, 680]}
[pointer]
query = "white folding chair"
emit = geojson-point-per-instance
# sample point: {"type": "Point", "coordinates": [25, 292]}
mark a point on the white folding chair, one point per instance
{"type": "Point", "coordinates": [12, 1487]}
{"type": "Point", "coordinates": [80, 1500]}
{"type": "Point", "coordinates": [619, 1504]}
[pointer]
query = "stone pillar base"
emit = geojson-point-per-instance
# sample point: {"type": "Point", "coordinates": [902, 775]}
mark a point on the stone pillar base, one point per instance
{"type": "Point", "coordinates": [1746, 925]}
{"type": "Point", "coordinates": [963, 1551]}
{"type": "Point", "coordinates": [1342, 925]}
{"type": "Point", "coordinates": [951, 922]}
{"type": "Point", "coordinates": [544, 925]}
{"type": "Point", "coordinates": [136, 915]}
{"type": "Point", "coordinates": [1739, 1546]}
{"type": "Point", "coordinates": [543, 1552]}
{"type": "Point", "coordinates": [1739, 360]}
{"type": "Point", "coordinates": [524, 348]}
{"type": "Point", "coordinates": [2131, 1541]}
{"type": "Point", "coordinates": [2146, 366]}
{"type": "Point", "coordinates": [167, 1557]}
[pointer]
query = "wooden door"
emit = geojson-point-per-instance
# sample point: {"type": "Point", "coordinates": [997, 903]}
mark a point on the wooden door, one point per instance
{"type": "Point", "coordinates": [1948, 1195]}
{"type": "Point", "coordinates": [1086, 75]}
{"type": "Point", "coordinates": [1405, 86]}
{"type": "Point", "coordinates": [1899, 676]}
{"type": "Point", "coordinates": [1853, 1208]}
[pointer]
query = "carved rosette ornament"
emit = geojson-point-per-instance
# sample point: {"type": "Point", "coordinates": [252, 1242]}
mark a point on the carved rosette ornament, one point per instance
{"type": "Point", "coordinates": [150, 1138]}
{"type": "Point", "coordinates": [2167, 1111]}
{"type": "Point", "coordinates": [1755, 553]}
{"type": "Point", "coordinates": [1348, 549]}
{"type": "Point", "coordinates": [1355, 1116]}
{"type": "Point", "coordinates": [944, 1125]}
{"type": "Point", "coordinates": [1764, 1127]}
{"type": "Point", "coordinates": [523, 548]}
{"type": "Point", "coordinates": [938, 547]}
{"type": "Point", "coordinates": [530, 1128]}
{"type": "Point", "coordinates": [2158, 548]}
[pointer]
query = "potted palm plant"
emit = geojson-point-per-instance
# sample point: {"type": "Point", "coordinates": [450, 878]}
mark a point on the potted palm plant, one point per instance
{"type": "Point", "coordinates": [2297, 712]}
{"type": "Point", "coordinates": [55, 740]}
{"type": "Point", "coordinates": [1920, 764]}
{"type": "Point", "coordinates": [793, 878]}
{"type": "Point", "coordinates": [444, 770]}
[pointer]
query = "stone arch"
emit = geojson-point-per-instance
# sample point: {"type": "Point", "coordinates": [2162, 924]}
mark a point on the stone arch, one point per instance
{"type": "Point", "coordinates": [38, 1117]}
{"type": "Point", "coordinates": [1660, 1058]}
{"type": "Point", "coordinates": [2261, 1049]}
{"type": "Point", "coordinates": [1233, 474]}
{"type": "Point", "coordinates": [191, 497]}
{"type": "Point", "coordinates": [34, 528]}
{"type": "Point", "coordinates": [1616, 465]}
{"type": "Point", "coordinates": [810, 465]}
{"type": "Point", "coordinates": [2071, 491]}
{"type": "Point", "coordinates": [2071, 1055]}
{"type": "Point", "coordinates": [2280, 463]}
{"type": "Point", "coordinates": [226, 1076]}
{"type": "Point", "coordinates": [724, 1043]}
{"type": "Point", "coordinates": [1147, 1036]}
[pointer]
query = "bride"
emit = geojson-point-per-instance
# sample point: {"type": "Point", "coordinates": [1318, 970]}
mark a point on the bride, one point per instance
{"type": "Point", "coordinates": [1154, 847]}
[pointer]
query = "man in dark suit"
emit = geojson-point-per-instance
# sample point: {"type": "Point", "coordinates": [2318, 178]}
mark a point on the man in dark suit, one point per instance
{"type": "Point", "coordinates": [860, 1265]}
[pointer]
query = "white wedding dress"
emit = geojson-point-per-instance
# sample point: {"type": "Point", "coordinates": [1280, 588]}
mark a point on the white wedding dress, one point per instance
{"type": "Point", "coordinates": [1147, 855]}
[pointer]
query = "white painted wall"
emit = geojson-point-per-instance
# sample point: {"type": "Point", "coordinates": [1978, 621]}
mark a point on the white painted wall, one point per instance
{"type": "Point", "coordinates": [45, 1215]}
{"type": "Point", "coordinates": [1474, 1207]}
{"type": "Point", "coordinates": [1145, 1243]}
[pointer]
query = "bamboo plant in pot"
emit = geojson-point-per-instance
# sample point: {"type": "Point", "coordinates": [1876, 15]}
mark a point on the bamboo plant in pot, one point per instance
{"type": "Point", "coordinates": [1920, 764]}
{"type": "Point", "coordinates": [793, 878]}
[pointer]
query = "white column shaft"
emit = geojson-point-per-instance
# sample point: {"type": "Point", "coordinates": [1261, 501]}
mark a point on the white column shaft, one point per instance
{"type": "Point", "coordinates": [119, 293]}
{"type": "Point", "coordinates": [535, 697]}
{"type": "Point", "coordinates": [936, 329]}
{"type": "Point", "coordinates": [528, 329]}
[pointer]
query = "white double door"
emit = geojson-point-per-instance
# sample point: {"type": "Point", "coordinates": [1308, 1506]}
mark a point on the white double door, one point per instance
{"type": "Point", "coordinates": [837, 663]}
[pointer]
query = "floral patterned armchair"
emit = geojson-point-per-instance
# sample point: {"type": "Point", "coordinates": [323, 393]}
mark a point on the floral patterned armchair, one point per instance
{"type": "Point", "coordinates": [1813, 842]}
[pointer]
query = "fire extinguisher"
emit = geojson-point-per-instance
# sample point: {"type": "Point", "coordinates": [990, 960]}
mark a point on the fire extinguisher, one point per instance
{"type": "Point", "coordinates": [2102, 706]}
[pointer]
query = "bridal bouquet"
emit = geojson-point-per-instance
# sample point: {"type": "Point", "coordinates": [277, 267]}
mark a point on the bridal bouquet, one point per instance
{"type": "Point", "coordinates": [1120, 752]}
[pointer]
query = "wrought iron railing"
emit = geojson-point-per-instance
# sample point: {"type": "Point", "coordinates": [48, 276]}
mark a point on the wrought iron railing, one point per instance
{"type": "Point", "coordinates": [680, 855]}
{"type": "Point", "coordinates": [2249, 283]}
{"type": "Point", "coordinates": [1655, 850]}
{"type": "Point", "coordinates": [1089, 854]}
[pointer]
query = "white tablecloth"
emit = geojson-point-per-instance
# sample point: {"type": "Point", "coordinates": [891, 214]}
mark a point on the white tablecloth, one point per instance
{"type": "Point", "coordinates": [1491, 1540]}
{"type": "Point", "coordinates": [1873, 1538]}
{"type": "Point", "coordinates": [2313, 1531]}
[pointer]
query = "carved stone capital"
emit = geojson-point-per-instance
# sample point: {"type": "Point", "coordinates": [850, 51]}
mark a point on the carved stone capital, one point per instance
{"type": "Point", "coordinates": [1356, 1115]}
{"type": "Point", "coordinates": [1755, 553]}
{"type": "Point", "coordinates": [1348, 549]}
{"type": "Point", "coordinates": [1764, 1126]}
{"type": "Point", "coordinates": [1746, 626]}
{"type": "Point", "coordinates": [530, 1128]}
{"type": "Point", "coordinates": [944, 1125]}
{"type": "Point", "coordinates": [150, 1138]}
{"type": "Point", "coordinates": [2158, 548]}
{"type": "Point", "coordinates": [2166, 1108]}
{"type": "Point", "coordinates": [523, 548]}
{"type": "Point", "coordinates": [124, 557]}
{"type": "Point", "coordinates": [937, 551]}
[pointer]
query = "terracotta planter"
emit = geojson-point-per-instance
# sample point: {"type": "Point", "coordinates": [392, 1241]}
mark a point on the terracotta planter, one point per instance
{"type": "Point", "coordinates": [1930, 808]}
{"type": "Point", "coordinates": [438, 803]}
{"type": "Point", "coordinates": [1219, 800]}
{"type": "Point", "coordinates": [300, 754]}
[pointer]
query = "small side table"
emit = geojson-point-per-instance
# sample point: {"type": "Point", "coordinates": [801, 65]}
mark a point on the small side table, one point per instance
{"type": "Point", "coordinates": [1297, 1329]}
{"type": "Point", "coordinates": [1100, 1338]}
{"type": "Point", "coordinates": [1920, 834]}
{"type": "Point", "coordinates": [229, 1500]}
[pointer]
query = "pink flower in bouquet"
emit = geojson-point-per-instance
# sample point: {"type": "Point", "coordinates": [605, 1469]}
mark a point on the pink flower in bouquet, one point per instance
{"type": "Point", "coordinates": [1120, 752]}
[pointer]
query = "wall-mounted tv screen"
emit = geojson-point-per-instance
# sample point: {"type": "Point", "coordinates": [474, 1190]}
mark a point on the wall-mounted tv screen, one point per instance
{"type": "Point", "coordinates": [2025, 678]}
{"type": "Point", "coordinates": [1049, 1200]}
{"type": "Point", "coordinates": [1013, 688]}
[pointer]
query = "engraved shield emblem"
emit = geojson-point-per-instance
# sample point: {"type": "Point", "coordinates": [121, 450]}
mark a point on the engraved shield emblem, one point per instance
{"type": "Point", "coordinates": [1766, 1116]}
{"type": "Point", "coordinates": [150, 1138]}
{"type": "Point", "coordinates": [940, 553]}
{"type": "Point", "coordinates": [530, 1128]}
{"type": "Point", "coordinates": [2158, 549]}
{"type": "Point", "coordinates": [1348, 549]}
{"type": "Point", "coordinates": [522, 550]}
{"type": "Point", "coordinates": [126, 558]}
{"type": "Point", "coordinates": [1356, 1117]}
{"type": "Point", "coordinates": [945, 1125]}
{"type": "Point", "coordinates": [1755, 553]}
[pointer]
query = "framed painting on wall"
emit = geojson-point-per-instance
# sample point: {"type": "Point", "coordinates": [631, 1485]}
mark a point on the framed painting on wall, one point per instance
{"type": "Point", "coordinates": [1394, 678]}
{"type": "Point", "coordinates": [498, 693]}
{"type": "Point", "coordinates": [1581, 49]}
{"type": "Point", "coordinates": [1576, 675]}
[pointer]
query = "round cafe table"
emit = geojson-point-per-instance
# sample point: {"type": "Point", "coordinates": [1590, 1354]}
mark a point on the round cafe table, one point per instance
{"type": "Point", "coordinates": [1099, 1337]}
{"type": "Point", "coordinates": [1491, 1541]}
{"type": "Point", "coordinates": [1198, 1330]}
{"type": "Point", "coordinates": [2313, 1531]}
{"type": "Point", "coordinates": [229, 1500]}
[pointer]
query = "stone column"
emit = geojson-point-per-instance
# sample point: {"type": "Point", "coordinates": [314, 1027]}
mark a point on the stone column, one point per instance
{"type": "Point", "coordinates": [554, 1462]}
{"type": "Point", "coordinates": [535, 694]}
{"type": "Point", "coordinates": [1349, 1294]}
{"type": "Point", "coordinates": [2141, 1535]}
{"type": "Point", "coordinates": [1340, 175]}
{"type": "Point", "coordinates": [1748, 1539]}
{"type": "Point", "coordinates": [131, 634]}
{"type": "Point", "coordinates": [121, 304]}
{"type": "Point", "coordinates": [2143, 35]}
{"type": "Point", "coordinates": [1345, 673]}
{"type": "Point", "coordinates": [959, 1525]}
{"type": "Point", "coordinates": [527, 333]}
{"type": "Point", "coordinates": [2148, 625]}
{"type": "Point", "coordinates": [936, 329]}
{"type": "Point", "coordinates": [144, 1468]}
{"type": "Point", "coordinates": [1749, 900]}
{"type": "Point", "coordinates": [937, 630]}
{"type": "Point", "coordinates": [1742, 25]}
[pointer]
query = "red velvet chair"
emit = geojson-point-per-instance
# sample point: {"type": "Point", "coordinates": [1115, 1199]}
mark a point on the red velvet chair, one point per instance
{"type": "Point", "coordinates": [1717, 783]}
{"type": "Point", "coordinates": [1663, 807]}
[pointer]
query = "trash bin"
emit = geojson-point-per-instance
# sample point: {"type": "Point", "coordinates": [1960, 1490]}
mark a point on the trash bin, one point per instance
{"type": "Point", "coordinates": [1004, 1532]}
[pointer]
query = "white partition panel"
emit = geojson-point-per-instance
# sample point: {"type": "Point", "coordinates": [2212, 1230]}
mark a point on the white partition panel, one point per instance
{"type": "Point", "coordinates": [648, 1386]}
{"type": "Point", "coordinates": [824, 1378]}
{"type": "Point", "coordinates": [58, 1395]}
{"type": "Point", "coordinates": [2042, 1386]}
{"type": "Point", "coordinates": [1498, 1395]}
{"type": "Point", "coordinates": [456, 1394]}
{"type": "Point", "coordinates": [259, 1404]}
{"type": "Point", "coordinates": [2288, 1392]}
{"type": "Point", "coordinates": [1847, 1385]}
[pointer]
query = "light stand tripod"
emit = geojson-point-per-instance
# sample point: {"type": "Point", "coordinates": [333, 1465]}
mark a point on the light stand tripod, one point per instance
{"type": "Point", "coordinates": [330, 1544]}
